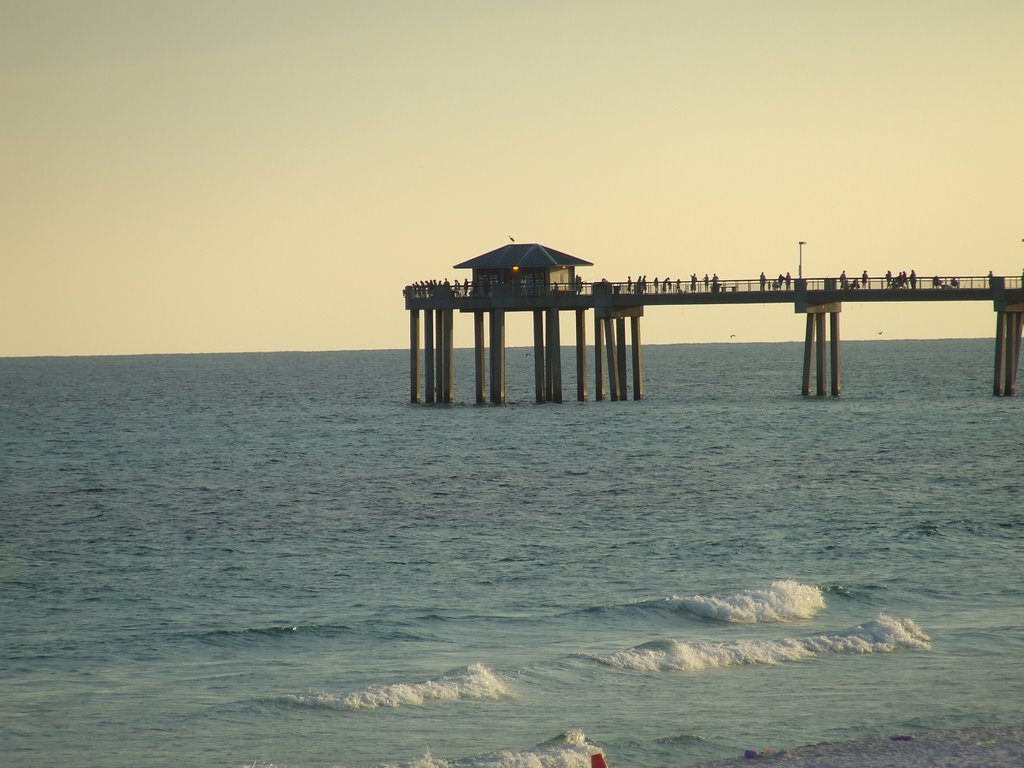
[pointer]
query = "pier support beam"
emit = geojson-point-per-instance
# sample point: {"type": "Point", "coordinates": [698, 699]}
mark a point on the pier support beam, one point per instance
{"type": "Point", "coordinates": [805, 385]}
{"type": "Point", "coordinates": [820, 352]}
{"type": "Point", "coordinates": [581, 355]}
{"type": "Point", "coordinates": [814, 347]}
{"type": "Point", "coordinates": [428, 354]}
{"type": "Point", "coordinates": [439, 356]}
{"type": "Point", "coordinates": [479, 365]}
{"type": "Point", "coordinates": [554, 357]}
{"type": "Point", "coordinates": [638, 359]}
{"type": "Point", "coordinates": [610, 338]}
{"type": "Point", "coordinates": [1009, 326]}
{"type": "Point", "coordinates": [498, 356]}
{"type": "Point", "coordinates": [1012, 342]}
{"type": "Point", "coordinates": [1011, 380]}
{"type": "Point", "coordinates": [837, 384]}
{"type": "Point", "coordinates": [614, 390]}
{"type": "Point", "coordinates": [448, 357]}
{"type": "Point", "coordinates": [539, 353]}
{"type": "Point", "coordinates": [1017, 334]}
{"type": "Point", "coordinates": [414, 356]}
{"type": "Point", "coordinates": [620, 354]}
{"type": "Point", "coordinates": [1000, 361]}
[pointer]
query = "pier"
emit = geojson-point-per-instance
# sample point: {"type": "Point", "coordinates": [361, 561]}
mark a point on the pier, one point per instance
{"type": "Point", "coordinates": [534, 278]}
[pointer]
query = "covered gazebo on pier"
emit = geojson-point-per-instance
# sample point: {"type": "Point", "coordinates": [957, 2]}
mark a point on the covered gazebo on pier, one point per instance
{"type": "Point", "coordinates": [519, 277]}
{"type": "Point", "coordinates": [532, 267]}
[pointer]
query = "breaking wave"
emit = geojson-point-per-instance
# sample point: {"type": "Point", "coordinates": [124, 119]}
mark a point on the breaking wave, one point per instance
{"type": "Point", "coordinates": [782, 601]}
{"type": "Point", "coordinates": [569, 750]}
{"type": "Point", "coordinates": [885, 634]}
{"type": "Point", "coordinates": [475, 682]}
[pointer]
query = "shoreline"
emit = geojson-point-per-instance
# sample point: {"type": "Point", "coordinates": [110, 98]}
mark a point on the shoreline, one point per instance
{"type": "Point", "coordinates": [998, 746]}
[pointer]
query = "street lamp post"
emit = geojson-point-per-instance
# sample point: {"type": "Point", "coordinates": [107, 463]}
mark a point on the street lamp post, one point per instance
{"type": "Point", "coordinates": [800, 267]}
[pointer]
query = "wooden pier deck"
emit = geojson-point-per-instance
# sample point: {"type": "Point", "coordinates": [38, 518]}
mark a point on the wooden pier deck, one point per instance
{"type": "Point", "coordinates": [612, 303]}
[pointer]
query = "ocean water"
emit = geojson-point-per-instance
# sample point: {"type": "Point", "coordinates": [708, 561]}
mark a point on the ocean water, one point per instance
{"type": "Point", "coordinates": [275, 559]}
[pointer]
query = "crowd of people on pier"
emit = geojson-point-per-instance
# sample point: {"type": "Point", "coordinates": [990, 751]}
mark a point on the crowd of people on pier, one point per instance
{"type": "Point", "coordinates": [897, 282]}
{"type": "Point", "coordinates": [423, 289]}
{"type": "Point", "coordinates": [708, 284]}
{"type": "Point", "coordinates": [429, 288]}
{"type": "Point", "coordinates": [782, 282]}
{"type": "Point", "coordinates": [667, 285]}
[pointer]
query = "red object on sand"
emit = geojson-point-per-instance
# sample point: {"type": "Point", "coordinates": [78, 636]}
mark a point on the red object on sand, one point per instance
{"type": "Point", "coordinates": [597, 761]}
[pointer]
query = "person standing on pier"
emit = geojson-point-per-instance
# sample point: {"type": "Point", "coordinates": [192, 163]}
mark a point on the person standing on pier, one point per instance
{"type": "Point", "coordinates": [764, 280]}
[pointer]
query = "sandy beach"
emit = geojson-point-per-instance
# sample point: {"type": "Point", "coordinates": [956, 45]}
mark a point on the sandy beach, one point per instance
{"type": "Point", "coordinates": [985, 747]}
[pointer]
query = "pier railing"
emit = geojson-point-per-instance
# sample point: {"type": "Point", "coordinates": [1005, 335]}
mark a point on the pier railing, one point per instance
{"type": "Point", "coordinates": [850, 286]}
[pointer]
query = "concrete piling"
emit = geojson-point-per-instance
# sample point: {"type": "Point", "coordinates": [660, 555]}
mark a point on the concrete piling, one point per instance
{"type": "Point", "coordinates": [428, 353]}
{"type": "Point", "coordinates": [414, 356]}
{"type": "Point", "coordinates": [581, 355]}
{"type": "Point", "coordinates": [539, 358]}
{"type": "Point", "coordinates": [498, 356]}
{"type": "Point", "coordinates": [480, 369]}
{"type": "Point", "coordinates": [815, 347]}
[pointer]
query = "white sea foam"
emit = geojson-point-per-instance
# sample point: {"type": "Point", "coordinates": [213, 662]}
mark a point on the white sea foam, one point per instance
{"type": "Point", "coordinates": [475, 682]}
{"type": "Point", "coordinates": [570, 750]}
{"type": "Point", "coordinates": [882, 635]}
{"type": "Point", "coordinates": [782, 601]}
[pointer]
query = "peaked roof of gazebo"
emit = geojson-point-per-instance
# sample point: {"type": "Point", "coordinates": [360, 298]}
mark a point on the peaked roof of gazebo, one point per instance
{"type": "Point", "coordinates": [523, 255]}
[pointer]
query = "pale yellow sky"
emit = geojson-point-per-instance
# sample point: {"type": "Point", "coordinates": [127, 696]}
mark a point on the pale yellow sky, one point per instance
{"type": "Point", "coordinates": [245, 176]}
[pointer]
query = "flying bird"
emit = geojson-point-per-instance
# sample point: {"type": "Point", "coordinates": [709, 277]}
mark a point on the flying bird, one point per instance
{"type": "Point", "coordinates": [511, 239]}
